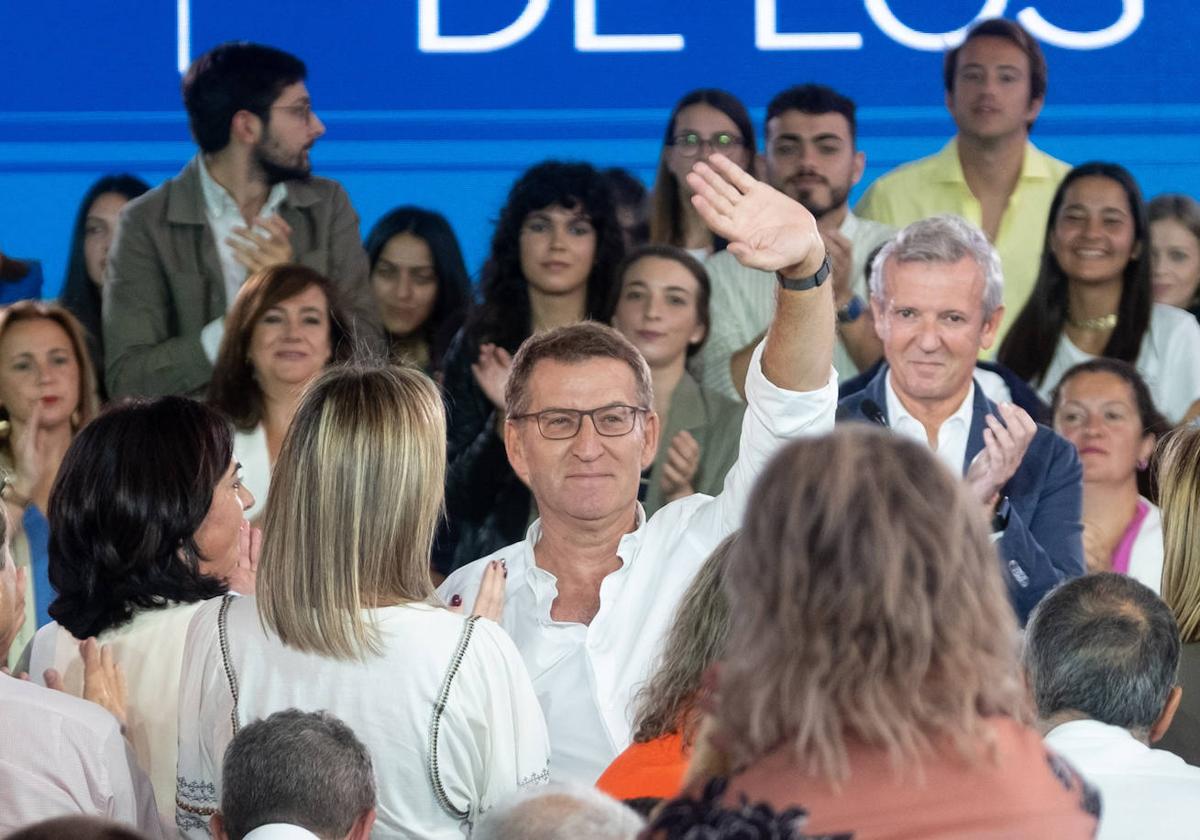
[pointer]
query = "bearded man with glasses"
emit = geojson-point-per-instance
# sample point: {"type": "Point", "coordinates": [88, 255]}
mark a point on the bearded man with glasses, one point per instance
{"type": "Point", "coordinates": [590, 591]}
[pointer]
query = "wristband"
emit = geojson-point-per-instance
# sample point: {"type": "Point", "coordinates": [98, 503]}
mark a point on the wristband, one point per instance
{"type": "Point", "coordinates": [803, 284]}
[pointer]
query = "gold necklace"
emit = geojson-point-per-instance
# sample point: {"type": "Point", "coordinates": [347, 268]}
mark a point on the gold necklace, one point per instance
{"type": "Point", "coordinates": [1102, 322]}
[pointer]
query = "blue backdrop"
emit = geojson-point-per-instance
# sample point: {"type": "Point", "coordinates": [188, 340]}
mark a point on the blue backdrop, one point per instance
{"type": "Point", "coordinates": [444, 102]}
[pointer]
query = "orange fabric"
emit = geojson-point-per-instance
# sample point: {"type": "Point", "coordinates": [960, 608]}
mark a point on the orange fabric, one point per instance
{"type": "Point", "coordinates": [1027, 793]}
{"type": "Point", "coordinates": [654, 768]}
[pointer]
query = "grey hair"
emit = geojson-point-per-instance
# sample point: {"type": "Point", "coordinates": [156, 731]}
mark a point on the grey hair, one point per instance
{"type": "Point", "coordinates": [302, 768]}
{"type": "Point", "coordinates": [1104, 645]}
{"type": "Point", "coordinates": [942, 239]}
{"type": "Point", "coordinates": [559, 812]}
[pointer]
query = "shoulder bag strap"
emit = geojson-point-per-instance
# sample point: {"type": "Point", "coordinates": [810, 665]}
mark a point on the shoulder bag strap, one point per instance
{"type": "Point", "coordinates": [230, 674]}
{"type": "Point", "coordinates": [435, 777]}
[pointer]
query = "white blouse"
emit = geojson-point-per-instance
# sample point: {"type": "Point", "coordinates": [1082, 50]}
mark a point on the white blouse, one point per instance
{"type": "Point", "coordinates": [1169, 361]}
{"type": "Point", "coordinates": [149, 649]}
{"type": "Point", "coordinates": [492, 737]}
{"type": "Point", "coordinates": [250, 450]}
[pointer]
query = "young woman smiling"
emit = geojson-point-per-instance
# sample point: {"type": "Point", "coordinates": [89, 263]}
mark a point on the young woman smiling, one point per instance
{"type": "Point", "coordinates": [661, 306]}
{"type": "Point", "coordinates": [1094, 297]}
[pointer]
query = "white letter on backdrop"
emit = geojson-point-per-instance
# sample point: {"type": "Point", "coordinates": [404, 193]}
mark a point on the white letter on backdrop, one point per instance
{"type": "Point", "coordinates": [882, 14]}
{"type": "Point", "coordinates": [587, 40]}
{"type": "Point", "coordinates": [1132, 12]}
{"type": "Point", "coordinates": [430, 39]}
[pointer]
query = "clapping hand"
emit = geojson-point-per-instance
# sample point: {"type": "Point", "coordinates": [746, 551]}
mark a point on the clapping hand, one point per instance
{"type": "Point", "coordinates": [683, 459]}
{"type": "Point", "coordinates": [1004, 445]}
{"type": "Point", "coordinates": [492, 371]}
{"type": "Point", "coordinates": [258, 249]}
{"type": "Point", "coordinates": [765, 229]}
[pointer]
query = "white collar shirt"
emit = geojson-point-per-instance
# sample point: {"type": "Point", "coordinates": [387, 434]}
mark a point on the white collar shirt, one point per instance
{"type": "Point", "coordinates": [223, 216]}
{"type": "Point", "coordinates": [1145, 792]}
{"type": "Point", "coordinates": [952, 435]}
{"type": "Point", "coordinates": [586, 676]}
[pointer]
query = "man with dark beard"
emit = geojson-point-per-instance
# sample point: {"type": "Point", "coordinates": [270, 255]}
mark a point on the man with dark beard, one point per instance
{"type": "Point", "coordinates": [245, 202]}
{"type": "Point", "coordinates": [811, 157]}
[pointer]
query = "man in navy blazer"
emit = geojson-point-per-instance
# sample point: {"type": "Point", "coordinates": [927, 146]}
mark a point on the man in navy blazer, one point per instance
{"type": "Point", "coordinates": [936, 292]}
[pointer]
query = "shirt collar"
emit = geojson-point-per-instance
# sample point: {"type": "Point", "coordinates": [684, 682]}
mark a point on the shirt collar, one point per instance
{"type": "Point", "coordinates": [898, 414]}
{"type": "Point", "coordinates": [948, 166]}
{"type": "Point", "coordinates": [218, 202]}
{"type": "Point", "coordinates": [281, 831]}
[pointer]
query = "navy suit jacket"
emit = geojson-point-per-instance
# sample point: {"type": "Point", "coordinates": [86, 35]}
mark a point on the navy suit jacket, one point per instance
{"type": "Point", "coordinates": [1043, 542]}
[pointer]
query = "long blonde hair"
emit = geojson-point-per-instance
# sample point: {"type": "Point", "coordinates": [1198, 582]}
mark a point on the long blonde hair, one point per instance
{"type": "Point", "coordinates": [867, 605]}
{"type": "Point", "coordinates": [1179, 496]}
{"type": "Point", "coordinates": [355, 498]}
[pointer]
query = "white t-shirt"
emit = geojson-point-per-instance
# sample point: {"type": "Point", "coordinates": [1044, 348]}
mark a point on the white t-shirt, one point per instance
{"type": "Point", "coordinates": [1145, 792]}
{"type": "Point", "coordinates": [1169, 361]}
{"type": "Point", "coordinates": [492, 737]}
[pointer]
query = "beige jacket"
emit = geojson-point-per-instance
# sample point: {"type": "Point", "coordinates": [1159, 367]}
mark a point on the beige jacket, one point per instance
{"type": "Point", "coordinates": [164, 281]}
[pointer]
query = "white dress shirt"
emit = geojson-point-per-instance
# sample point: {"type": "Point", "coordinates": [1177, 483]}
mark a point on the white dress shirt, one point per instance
{"type": "Point", "coordinates": [62, 756]}
{"type": "Point", "coordinates": [1144, 792]}
{"type": "Point", "coordinates": [952, 435]}
{"type": "Point", "coordinates": [586, 675]}
{"type": "Point", "coordinates": [223, 216]}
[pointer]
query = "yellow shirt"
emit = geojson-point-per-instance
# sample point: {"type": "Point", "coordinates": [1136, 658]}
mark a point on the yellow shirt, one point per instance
{"type": "Point", "coordinates": [936, 184]}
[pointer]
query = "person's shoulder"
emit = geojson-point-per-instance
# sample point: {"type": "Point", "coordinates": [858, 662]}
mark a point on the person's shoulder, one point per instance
{"type": "Point", "coordinates": [47, 710]}
{"type": "Point", "coordinates": [909, 173]}
{"type": "Point", "coordinates": [1057, 168]}
{"type": "Point", "coordinates": [316, 190]}
{"type": "Point", "coordinates": [722, 267]}
{"type": "Point", "coordinates": [1169, 320]}
{"type": "Point", "coordinates": [467, 577]}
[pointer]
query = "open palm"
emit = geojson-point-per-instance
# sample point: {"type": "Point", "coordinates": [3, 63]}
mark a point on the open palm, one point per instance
{"type": "Point", "coordinates": [766, 229]}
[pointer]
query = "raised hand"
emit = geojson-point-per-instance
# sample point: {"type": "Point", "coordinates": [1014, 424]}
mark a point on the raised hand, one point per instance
{"type": "Point", "coordinates": [491, 372]}
{"type": "Point", "coordinates": [29, 453]}
{"type": "Point", "coordinates": [766, 229]}
{"type": "Point", "coordinates": [1004, 445]}
{"type": "Point", "coordinates": [258, 250]}
{"type": "Point", "coordinates": [683, 458]}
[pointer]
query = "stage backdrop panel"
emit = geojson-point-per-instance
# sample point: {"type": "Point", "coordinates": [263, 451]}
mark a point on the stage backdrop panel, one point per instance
{"type": "Point", "coordinates": [444, 102]}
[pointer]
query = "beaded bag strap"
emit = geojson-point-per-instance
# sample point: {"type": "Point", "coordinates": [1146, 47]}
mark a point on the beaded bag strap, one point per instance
{"type": "Point", "coordinates": [435, 777]}
{"type": "Point", "coordinates": [230, 674]}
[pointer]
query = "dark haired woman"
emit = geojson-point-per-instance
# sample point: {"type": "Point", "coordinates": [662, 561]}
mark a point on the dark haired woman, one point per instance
{"type": "Point", "coordinates": [1094, 297]}
{"type": "Point", "coordinates": [702, 122]}
{"type": "Point", "coordinates": [554, 254]}
{"type": "Point", "coordinates": [91, 236]}
{"type": "Point", "coordinates": [146, 521]}
{"type": "Point", "coordinates": [1105, 409]}
{"type": "Point", "coordinates": [420, 283]}
{"type": "Point", "coordinates": [285, 326]}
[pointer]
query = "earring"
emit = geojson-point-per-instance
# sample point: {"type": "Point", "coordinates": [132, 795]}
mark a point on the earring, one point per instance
{"type": "Point", "coordinates": [1142, 464]}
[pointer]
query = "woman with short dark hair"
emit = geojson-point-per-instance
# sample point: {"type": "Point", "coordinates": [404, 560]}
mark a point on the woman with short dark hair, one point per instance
{"type": "Point", "coordinates": [146, 521]}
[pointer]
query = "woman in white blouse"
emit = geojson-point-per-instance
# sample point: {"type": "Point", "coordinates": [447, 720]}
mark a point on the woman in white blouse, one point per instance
{"type": "Point", "coordinates": [346, 620]}
{"type": "Point", "coordinates": [1105, 409]}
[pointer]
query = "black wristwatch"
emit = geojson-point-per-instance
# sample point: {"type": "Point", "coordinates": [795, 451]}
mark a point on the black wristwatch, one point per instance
{"type": "Point", "coordinates": [803, 284]}
{"type": "Point", "coordinates": [1001, 516]}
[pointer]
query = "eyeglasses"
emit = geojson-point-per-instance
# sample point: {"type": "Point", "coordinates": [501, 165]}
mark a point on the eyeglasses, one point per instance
{"type": "Point", "coordinates": [564, 423]}
{"type": "Point", "coordinates": [688, 144]}
{"type": "Point", "coordinates": [301, 110]}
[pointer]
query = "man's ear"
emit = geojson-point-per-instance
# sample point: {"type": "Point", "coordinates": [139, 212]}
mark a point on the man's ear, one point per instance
{"type": "Point", "coordinates": [515, 447]}
{"type": "Point", "coordinates": [1163, 723]}
{"type": "Point", "coordinates": [991, 327]}
{"type": "Point", "coordinates": [246, 128]}
{"type": "Point", "coordinates": [361, 830]}
{"type": "Point", "coordinates": [650, 440]}
{"type": "Point", "coordinates": [216, 825]}
{"type": "Point", "coordinates": [860, 165]}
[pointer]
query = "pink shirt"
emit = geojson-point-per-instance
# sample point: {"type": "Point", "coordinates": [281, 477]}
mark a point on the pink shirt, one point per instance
{"type": "Point", "coordinates": [63, 756]}
{"type": "Point", "coordinates": [1120, 558]}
